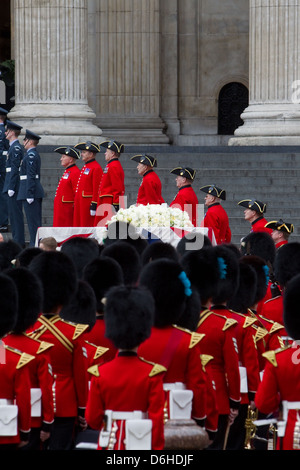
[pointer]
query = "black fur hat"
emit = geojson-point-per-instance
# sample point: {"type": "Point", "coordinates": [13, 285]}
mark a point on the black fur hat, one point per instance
{"type": "Point", "coordinates": [287, 262]}
{"type": "Point", "coordinates": [192, 241]}
{"type": "Point", "coordinates": [128, 316]}
{"type": "Point", "coordinates": [262, 275]}
{"type": "Point", "coordinates": [102, 274]}
{"type": "Point", "coordinates": [229, 282]}
{"type": "Point", "coordinates": [127, 257]}
{"type": "Point", "coordinates": [9, 304]}
{"type": "Point", "coordinates": [82, 306]}
{"type": "Point", "coordinates": [81, 251]}
{"type": "Point", "coordinates": [30, 294]}
{"type": "Point", "coordinates": [291, 301]}
{"type": "Point", "coordinates": [202, 269]}
{"type": "Point", "coordinates": [25, 257]}
{"type": "Point", "coordinates": [259, 244]}
{"type": "Point", "coordinates": [170, 288]}
{"type": "Point", "coordinates": [158, 250]}
{"type": "Point", "coordinates": [57, 273]}
{"type": "Point", "coordinates": [8, 252]}
{"type": "Point", "coordinates": [245, 296]}
{"type": "Point", "coordinates": [125, 231]}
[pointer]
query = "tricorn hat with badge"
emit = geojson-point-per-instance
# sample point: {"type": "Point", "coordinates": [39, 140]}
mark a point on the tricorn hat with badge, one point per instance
{"type": "Point", "coordinates": [280, 226]}
{"type": "Point", "coordinates": [185, 172]}
{"type": "Point", "coordinates": [89, 146]}
{"type": "Point", "coordinates": [69, 151]}
{"type": "Point", "coordinates": [32, 135]}
{"type": "Point", "coordinates": [145, 160]}
{"type": "Point", "coordinates": [128, 316]}
{"type": "Point", "coordinates": [213, 190]}
{"type": "Point", "coordinates": [253, 205]}
{"type": "Point", "coordinates": [113, 145]}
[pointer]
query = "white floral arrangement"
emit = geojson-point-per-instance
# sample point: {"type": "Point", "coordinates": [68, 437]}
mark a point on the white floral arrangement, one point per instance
{"type": "Point", "coordinates": [153, 215]}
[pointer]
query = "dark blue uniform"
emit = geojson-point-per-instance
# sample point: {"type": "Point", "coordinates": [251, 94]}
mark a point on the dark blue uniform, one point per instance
{"type": "Point", "coordinates": [31, 191]}
{"type": "Point", "coordinates": [11, 183]}
{"type": "Point", "coordinates": [3, 197]}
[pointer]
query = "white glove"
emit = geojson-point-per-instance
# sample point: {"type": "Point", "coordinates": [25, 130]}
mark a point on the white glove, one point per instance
{"type": "Point", "coordinates": [93, 213]}
{"type": "Point", "coordinates": [30, 201]}
{"type": "Point", "coordinates": [11, 193]}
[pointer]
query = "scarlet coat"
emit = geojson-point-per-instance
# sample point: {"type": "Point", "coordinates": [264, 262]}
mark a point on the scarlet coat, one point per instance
{"type": "Point", "coordinates": [128, 383]}
{"type": "Point", "coordinates": [259, 226]}
{"type": "Point", "coordinates": [185, 197]}
{"type": "Point", "coordinates": [150, 189]}
{"type": "Point", "coordinates": [87, 193]}
{"type": "Point", "coordinates": [216, 218]}
{"type": "Point", "coordinates": [63, 207]}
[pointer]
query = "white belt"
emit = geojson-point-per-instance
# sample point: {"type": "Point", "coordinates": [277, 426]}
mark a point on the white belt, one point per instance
{"type": "Point", "coordinates": [4, 401]}
{"type": "Point", "coordinates": [174, 386]}
{"type": "Point", "coordinates": [8, 170]}
{"type": "Point", "coordinates": [24, 177]}
{"type": "Point", "coordinates": [128, 415]}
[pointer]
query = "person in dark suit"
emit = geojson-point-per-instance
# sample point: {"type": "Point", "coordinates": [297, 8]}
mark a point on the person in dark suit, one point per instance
{"type": "Point", "coordinates": [12, 182]}
{"type": "Point", "coordinates": [31, 191]}
{"type": "Point", "coordinates": [4, 145]}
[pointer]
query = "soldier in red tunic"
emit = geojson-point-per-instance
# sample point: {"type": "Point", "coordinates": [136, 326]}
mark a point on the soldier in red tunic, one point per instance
{"type": "Point", "coordinates": [281, 231]}
{"type": "Point", "coordinates": [86, 196]}
{"type": "Point", "coordinates": [150, 189]}
{"type": "Point", "coordinates": [186, 198]}
{"type": "Point", "coordinates": [63, 208]}
{"type": "Point", "coordinates": [253, 213]}
{"type": "Point", "coordinates": [112, 185]}
{"type": "Point", "coordinates": [68, 356]}
{"type": "Point", "coordinates": [128, 383]}
{"type": "Point", "coordinates": [216, 217]}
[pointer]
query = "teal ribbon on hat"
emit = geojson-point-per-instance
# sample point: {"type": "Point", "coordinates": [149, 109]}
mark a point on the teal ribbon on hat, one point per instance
{"type": "Point", "coordinates": [267, 273]}
{"type": "Point", "coordinates": [186, 282]}
{"type": "Point", "coordinates": [222, 268]}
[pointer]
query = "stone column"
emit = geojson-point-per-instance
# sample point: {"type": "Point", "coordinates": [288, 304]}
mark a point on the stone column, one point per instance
{"type": "Point", "coordinates": [273, 115]}
{"type": "Point", "coordinates": [51, 54]}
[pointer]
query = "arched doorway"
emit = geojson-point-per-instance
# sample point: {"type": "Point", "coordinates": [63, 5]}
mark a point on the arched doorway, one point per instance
{"type": "Point", "coordinates": [233, 99]}
{"type": "Point", "coordinates": [6, 65]}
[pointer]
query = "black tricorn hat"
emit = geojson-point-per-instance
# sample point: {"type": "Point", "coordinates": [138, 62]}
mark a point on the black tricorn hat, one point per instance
{"type": "Point", "coordinates": [128, 316]}
{"type": "Point", "coordinates": [113, 145]}
{"type": "Point", "coordinates": [213, 190]}
{"type": "Point", "coordinates": [9, 304]}
{"type": "Point", "coordinates": [229, 281]}
{"type": "Point", "coordinates": [30, 294]}
{"type": "Point", "coordinates": [102, 274]}
{"type": "Point", "coordinates": [291, 300]}
{"type": "Point", "coordinates": [185, 172]}
{"type": "Point", "coordinates": [90, 146]}
{"type": "Point", "coordinates": [287, 262]}
{"type": "Point", "coordinates": [69, 151]}
{"type": "Point", "coordinates": [31, 135]}
{"type": "Point", "coordinates": [245, 295]}
{"type": "Point", "coordinates": [262, 273]}
{"type": "Point", "coordinates": [254, 205]}
{"type": "Point", "coordinates": [13, 125]}
{"type": "Point", "coordinates": [145, 160]}
{"type": "Point", "coordinates": [259, 244]}
{"type": "Point", "coordinates": [280, 226]}
{"type": "Point", "coordinates": [163, 278]}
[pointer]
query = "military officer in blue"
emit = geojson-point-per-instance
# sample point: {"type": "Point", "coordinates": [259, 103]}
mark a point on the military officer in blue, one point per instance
{"type": "Point", "coordinates": [31, 191]}
{"type": "Point", "coordinates": [3, 156]}
{"type": "Point", "coordinates": [12, 182]}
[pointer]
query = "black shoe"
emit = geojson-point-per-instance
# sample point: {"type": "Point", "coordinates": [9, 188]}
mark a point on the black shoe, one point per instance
{"type": "Point", "coordinates": [4, 228]}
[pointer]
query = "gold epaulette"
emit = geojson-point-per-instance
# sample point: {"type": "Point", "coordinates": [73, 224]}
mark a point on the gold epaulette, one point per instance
{"type": "Point", "coordinates": [248, 321]}
{"type": "Point", "coordinates": [79, 328]}
{"type": "Point", "coordinates": [156, 369]}
{"type": "Point", "coordinates": [24, 357]}
{"type": "Point", "coordinates": [229, 323]}
{"type": "Point", "coordinates": [195, 337]}
{"type": "Point", "coordinates": [94, 370]}
{"type": "Point", "coordinates": [275, 327]}
{"type": "Point", "coordinates": [271, 355]}
{"type": "Point", "coordinates": [205, 359]}
{"type": "Point", "coordinates": [100, 350]}
{"type": "Point", "coordinates": [44, 346]}
{"type": "Point", "coordinates": [260, 333]}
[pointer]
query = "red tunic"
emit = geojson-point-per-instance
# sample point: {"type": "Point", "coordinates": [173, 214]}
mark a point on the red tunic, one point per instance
{"type": "Point", "coordinates": [216, 218]}
{"type": "Point", "coordinates": [150, 189]}
{"type": "Point", "coordinates": [15, 385]}
{"type": "Point", "coordinates": [87, 193]}
{"type": "Point", "coordinates": [63, 208]}
{"type": "Point", "coordinates": [187, 200]}
{"type": "Point", "coordinates": [219, 348]}
{"type": "Point", "coordinates": [259, 226]}
{"type": "Point", "coordinates": [40, 372]}
{"type": "Point", "coordinates": [273, 310]}
{"type": "Point", "coordinates": [128, 383]}
{"type": "Point", "coordinates": [281, 381]}
{"type": "Point", "coordinates": [69, 363]}
{"type": "Point", "coordinates": [97, 337]}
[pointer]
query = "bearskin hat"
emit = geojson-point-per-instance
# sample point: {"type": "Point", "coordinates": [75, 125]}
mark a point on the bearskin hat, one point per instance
{"type": "Point", "coordinates": [57, 273]}
{"type": "Point", "coordinates": [81, 251]}
{"type": "Point", "coordinates": [82, 307]}
{"type": "Point", "coordinates": [102, 274]}
{"type": "Point", "coordinates": [192, 241]}
{"type": "Point", "coordinates": [8, 252]}
{"type": "Point", "coordinates": [25, 257]}
{"type": "Point", "coordinates": [9, 304]}
{"type": "Point", "coordinates": [287, 262]}
{"type": "Point", "coordinates": [30, 294]}
{"type": "Point", "coordinates": [245, 295]}
{"type": "Point", "coordinates": [291, 300]}
{"type": "Point", "coordinates": [127, 257]}
{"type": "Point", "coordinates": [262, 273]}
{"type": "Point", "coordinates": [259, 244]}
{"type": "Point", "coordinates": [229, 282]}
{"type": "Point", "coordinates": [158, 250]}
{"type": "Point", "coordinates": [128, 316]}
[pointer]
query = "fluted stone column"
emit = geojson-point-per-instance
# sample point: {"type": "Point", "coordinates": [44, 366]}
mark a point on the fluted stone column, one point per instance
{"type": "Point", "coordinates": [273, 115]}
{"type": "Point", "coordinates": [51, 55]}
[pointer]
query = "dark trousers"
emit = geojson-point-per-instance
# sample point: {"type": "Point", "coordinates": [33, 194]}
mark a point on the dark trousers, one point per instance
{"type": "Point", "coordinates": [3, 203]}
{"type": "Point", "coordinates": [221, 434]}
{"type": "Point", "coordinates": [33, 213]}
{"type": "Point", "coordinates": [15, 210]}
{"type": "Point", "coordinates": [62, 434]}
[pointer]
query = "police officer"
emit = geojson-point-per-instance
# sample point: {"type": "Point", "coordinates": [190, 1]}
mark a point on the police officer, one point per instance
{"type": "Point", "coordinates": [12, 182]}
{"type": "Point", "coordinates": [3, 155]}
{"type": "Point", "coordinates": [31, 191]}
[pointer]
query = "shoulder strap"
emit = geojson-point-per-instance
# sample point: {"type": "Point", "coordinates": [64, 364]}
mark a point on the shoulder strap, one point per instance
{"type": "Point", "coordinates": [49, 325]}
